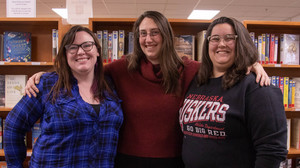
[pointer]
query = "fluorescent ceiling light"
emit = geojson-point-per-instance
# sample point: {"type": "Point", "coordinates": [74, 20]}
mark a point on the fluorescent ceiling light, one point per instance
{"type": "Point", "coordinates": [63, 12]}
{"type": "Point", "coordinates": [203, 14]}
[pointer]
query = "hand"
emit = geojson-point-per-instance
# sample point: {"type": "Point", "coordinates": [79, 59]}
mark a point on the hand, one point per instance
{"type": "Point", "coordinates": [261, 76]}
{"type": "Point", "coordinates": [30, 88]}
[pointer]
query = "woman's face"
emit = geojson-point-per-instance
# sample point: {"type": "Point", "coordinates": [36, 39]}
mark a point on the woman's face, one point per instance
{"type": "Point", "coordinates": [221, 48]}
{"type": "Point", "coordinates": [82, 59]}
{"type": "Point", "coordinates": [150, 40]}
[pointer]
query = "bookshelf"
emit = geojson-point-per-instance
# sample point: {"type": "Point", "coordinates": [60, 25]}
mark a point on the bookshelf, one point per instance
{"type": "Point", "coordinates": [179, 26]}
{"type": "Point", "coordinates": [41, 54]}
{"type": "Point", "coordinates": [277, 28]}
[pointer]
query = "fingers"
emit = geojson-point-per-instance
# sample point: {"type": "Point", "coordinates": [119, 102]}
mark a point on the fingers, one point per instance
{"type": "Point", "coordinates": [263, 79]}
{"type": "Point", "coordinates": [30, 88]}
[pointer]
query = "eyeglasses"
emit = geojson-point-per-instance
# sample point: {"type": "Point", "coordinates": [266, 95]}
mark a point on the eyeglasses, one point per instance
{"type": "Point", "coordinates": [228, 39]}
{"type": "Point", "coordinates": [86, 46]}
{"type": "Point", "coordinates": [152, 33]}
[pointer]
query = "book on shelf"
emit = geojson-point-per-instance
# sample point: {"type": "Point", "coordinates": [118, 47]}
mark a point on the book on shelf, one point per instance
{"type": "Point", "coordinates": [1, 48]}
{"type": "Point", "coordinates": [288, 126]}
{"type": "Point", "coordinates": [14, 89]}
{"type": "Point", "coordinates": [297, 93]}
{"type": "Point", "coordinates": [121, 43]}
{"type": "Point", "coordinates": [285, 91]}
{"type": "Point", "coordinates": [252, 35]}
{"type": "Point", "coordinates": [105, 46]}
{"type": "Point", "coordinates": [295, 133]}
{"type": "Point", "coordinates": [1, 134]}
{"type": "Point", "coordinates": [130, 40]}
{"type": "Point", "coordinates": [115, 44]}
{"type": "Point", "coordinates": [185, 46]}
{"type": "Point", "coordinates": [276, 50]}
{"type": "Point", "coordinates": [110, 48]}
{"type": "Point", "coordinates": [289, 49]}
{"type": "Point", "coordinates": [263, 48]}
{"type": "Point", "coordinates": [287, 163]}
{"type": "Point", "coordinates": [17, 46]}
{"type": "Point", "coordinates": [272, 48]}
{"type": "Point", "coordinates": [3, 164]}
{"type": "Point", "coordinates": [54, 43]}
{"type": "Point", "coordinates": [267, 48]}
{"type": "Point", "coordinates": [100, 38]}
{"type": "Point", "coordinates": [2, 90]}
{"type": "Point", "coordinates": [36, 132]}
{"type": "Point", "coordinates": [201, 36]}
{"type": "Point", "coordinates": [259, 49]}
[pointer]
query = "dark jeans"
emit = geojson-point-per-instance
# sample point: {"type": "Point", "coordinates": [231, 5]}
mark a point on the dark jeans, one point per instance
{"type": "Point", "coordinates": [128, 161]}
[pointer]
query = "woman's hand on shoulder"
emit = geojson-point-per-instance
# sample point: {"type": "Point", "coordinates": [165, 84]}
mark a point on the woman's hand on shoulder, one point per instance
{"type": "Point", "coordinates": [30, 88]}
{"type": "Point", "coordinates": [261, 76]}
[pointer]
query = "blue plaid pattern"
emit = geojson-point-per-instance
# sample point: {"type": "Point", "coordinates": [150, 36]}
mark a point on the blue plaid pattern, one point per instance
{"type": "Point", "coordinates": [72, 136]}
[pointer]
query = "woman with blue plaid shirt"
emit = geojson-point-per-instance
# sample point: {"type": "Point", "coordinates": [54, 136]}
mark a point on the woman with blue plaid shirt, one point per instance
{"type": "Point", "coordinates": [73, 134]}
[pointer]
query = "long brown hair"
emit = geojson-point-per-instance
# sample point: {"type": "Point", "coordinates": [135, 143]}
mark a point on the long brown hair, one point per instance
{"type": "Point", "coordinates": [245, 55]}
{"type": "Point", "coordinates": [170, 63]}
{"type": "Point", "coordinates": [65, 76]}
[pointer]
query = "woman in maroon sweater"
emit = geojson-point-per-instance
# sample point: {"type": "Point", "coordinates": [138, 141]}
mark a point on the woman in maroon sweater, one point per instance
{"type": "Point", "coordinates": [151, 82]}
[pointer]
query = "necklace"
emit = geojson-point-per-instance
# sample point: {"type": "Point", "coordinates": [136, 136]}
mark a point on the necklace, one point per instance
{"type": "Point", "coordinates": [89, 99]}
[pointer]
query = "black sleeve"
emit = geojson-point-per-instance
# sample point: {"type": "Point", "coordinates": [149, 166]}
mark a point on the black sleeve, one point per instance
{"type": "Point", "coordinates": [267, 125]}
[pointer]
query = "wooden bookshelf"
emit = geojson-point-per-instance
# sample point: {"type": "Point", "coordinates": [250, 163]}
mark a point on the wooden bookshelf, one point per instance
{"type": "Point", "coordinates": [277, 28]}
{"type": "Point", "coordinates": [41, 52]}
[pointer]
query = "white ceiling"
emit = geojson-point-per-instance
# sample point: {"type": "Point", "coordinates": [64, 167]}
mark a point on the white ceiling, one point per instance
{"type": "Point", "coordinates": [275, 10]}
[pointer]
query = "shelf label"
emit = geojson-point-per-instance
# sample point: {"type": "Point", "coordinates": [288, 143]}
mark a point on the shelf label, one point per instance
{"type": "Point", "coordinates": [277, 65]}
{"type": "Point", "coordinates": [1, 62]}
{"type": "Point", "coordinates": [35, 63]}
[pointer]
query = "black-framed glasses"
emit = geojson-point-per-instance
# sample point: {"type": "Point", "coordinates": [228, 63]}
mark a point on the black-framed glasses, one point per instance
{"type": "Point", "coordinates": [228, 38]}
{"type": "Point", "coordinates": [86, 46]}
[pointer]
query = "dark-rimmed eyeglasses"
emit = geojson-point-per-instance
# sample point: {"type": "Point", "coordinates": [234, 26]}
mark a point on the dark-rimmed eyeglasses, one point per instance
{"type": "Point", "coordinates": [86, 46]}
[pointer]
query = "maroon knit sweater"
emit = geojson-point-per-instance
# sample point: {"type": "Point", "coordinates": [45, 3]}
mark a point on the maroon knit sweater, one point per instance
{"type": "Point", "coordinates": [151, 117]}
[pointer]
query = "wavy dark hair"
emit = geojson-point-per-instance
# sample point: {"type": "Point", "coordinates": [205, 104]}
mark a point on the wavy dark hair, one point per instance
{"type": "Point", "coordinates": [65, 76]}
{"type": "Point", "coordinates": [245, 55]}
{"type": "Point", "coordinates": [170, 63]}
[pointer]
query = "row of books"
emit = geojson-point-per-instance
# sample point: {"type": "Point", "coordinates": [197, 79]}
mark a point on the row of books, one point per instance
{"type": "Point", "coordinates": [290, 88]}
{"type": "Point", "coordinates": [35, 133]}
{"type": "Point", "coordinates": [117, 43]}
{"type": "Point", "coordinates": [11, 89]}
{"type": "Point", "coordinates": [269, 46]}
{"type": "Point", "coordinates": [113, 44]}
{"type": "Point", "coordinates": [15, 46]}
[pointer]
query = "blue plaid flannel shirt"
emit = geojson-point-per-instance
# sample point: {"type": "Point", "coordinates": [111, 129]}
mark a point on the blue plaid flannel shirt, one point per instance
{"type": "Point", "coordinates": [72, 135]}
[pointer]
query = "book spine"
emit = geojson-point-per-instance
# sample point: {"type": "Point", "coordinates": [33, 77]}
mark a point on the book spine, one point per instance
{"type": "Point", "coordinates": [115, 43]}
{"type": "Point", "coordinates": [272, 46]}
{"type": "Point", "coordinates": [285, 91]}
{"type": "Point", "coordinates": [259, 49]}
{"type": "Point", "coordinates": [276, 50]}
{"type": "Point", "coordinates": [1, 134]}
{"type": "Point", "coordinates": [263, 47]}
{"type": "Point", "coordinates": [36, 132]}
{"type": "Point", "coordinates": [2, 90]}
{"type": "Point", "coordinates": [267, 48]}
{"type": "Point", "coordinates": [1, 48]}
{"type": "Point", "coordinates": [109, 48]}
{"type": "Point", "coordinates": [293, 93]}
{"type": "Point", "coordinates": [121, 43]}
{"type": "Point", "coordinates": [130, 42]}
{"type": "Point", "coordinates": [99, 37]}
{"type": "Point", "coordinates": [54, 44]}
{"type": "Point", "coordinates": [105, 46]}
